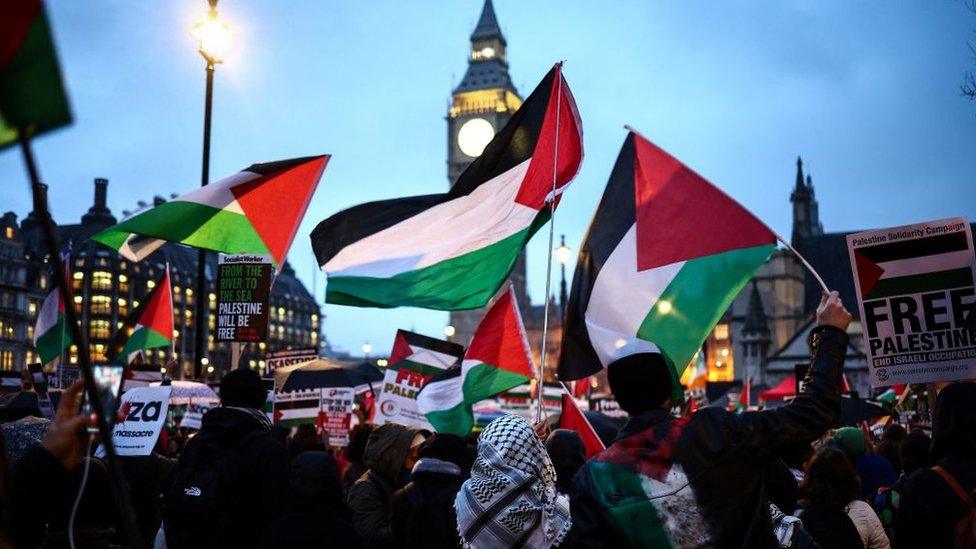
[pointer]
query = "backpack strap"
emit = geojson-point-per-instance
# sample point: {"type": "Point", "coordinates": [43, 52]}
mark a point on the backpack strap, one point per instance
{"type": "Point", "coordinates": [956, 487]}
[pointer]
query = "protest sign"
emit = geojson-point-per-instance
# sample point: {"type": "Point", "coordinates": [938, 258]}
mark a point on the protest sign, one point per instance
{"type": "Point", "coordinates": [296, 407]}
{"type": "Point", "coordinates": [335, 415]}
{"type": "Point", "coordinates": [145, 410]}
{"type": "Point", "coordinates": [520, 400]}
{"type": "Point", "coordinates": [414, 360]}
{"type": "Point", "coordinates": [67, 375]}
{"type": "Point", "coordinates": [608, 406]}
{"type": "Point", "coordinates": [917, 301]}
{"type": "Point", "coordinates": [243, 286]}
{"type": "Point", "coordinates": [193, 418]}
{"type": "Point", "coordinates": [276, 359]}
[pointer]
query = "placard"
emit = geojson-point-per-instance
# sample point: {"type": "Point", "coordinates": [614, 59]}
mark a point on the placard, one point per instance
{"type": "Point", "coordinates": [144, 410]}
{"type": "Point", "coordinates": [402, 381]}
{"type": "Point", "coordinates": [193, 418]}
{"type": "Point", "coordinates": [277, 359]}
{"type": "Point", "coordinates": [335, 415]}
{"type": "Point", "coordinates": [520, 400]}
{"type": "Point", "coordinates": [67, 375]}
{"type": "Point", "coordinates": [917, 298]}
{"type": "Point", "coordinates": [243, 287]}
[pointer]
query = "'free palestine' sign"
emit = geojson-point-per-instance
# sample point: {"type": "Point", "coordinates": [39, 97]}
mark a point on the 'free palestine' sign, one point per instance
{"type": "Point", "coordinates": [243, 285]}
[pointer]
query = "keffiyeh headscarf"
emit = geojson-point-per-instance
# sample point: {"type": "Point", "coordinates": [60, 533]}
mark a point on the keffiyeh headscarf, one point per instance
{"type": "Point", "coordinates": [511, 498]}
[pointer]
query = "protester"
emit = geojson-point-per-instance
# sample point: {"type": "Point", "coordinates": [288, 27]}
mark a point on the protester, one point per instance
{"type": "Point", "coordinates": [933, 511]}
{"type": "Point", "coordinates": [232, 480]}
{"type": "Point", "coordinates": [317, 515]}
{"type": "Point", "coordinates": [890, 446]}
{"type": "Point", "coordinates": [698, 480]}
{"type": "Point", "coordinates": [567, 452]}
{"type": "Point", "coordinates": [511, 498]}
{"type": "Point", "coordinates": [146, 478]}
{"type": "Point", "coordinates": [306, 439]}
{"type": "Point", "coordinates": [389, 457]}
{"type": "Point", "coordinates": [423, 510]}
{"type": "Point", "coordinates": [913, 455]}
{"type": "Point", "coordinates": [874, 471]}
{"type": "Point", "coordinates": [353, 453]}
{"type": "Point", "coordinates": [45, 482]}
{"type": "Point", "coordinates": [831, 512]}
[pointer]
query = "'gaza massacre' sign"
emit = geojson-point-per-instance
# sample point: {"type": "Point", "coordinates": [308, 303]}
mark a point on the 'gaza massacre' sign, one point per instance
{"type": "Point", "coordinates": [917, 297]}
{"type": "Point", "coordinates": [243, 286]}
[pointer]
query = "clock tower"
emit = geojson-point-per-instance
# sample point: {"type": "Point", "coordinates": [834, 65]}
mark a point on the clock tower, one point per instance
{"type": "Point", "coordinates": [481, 105]}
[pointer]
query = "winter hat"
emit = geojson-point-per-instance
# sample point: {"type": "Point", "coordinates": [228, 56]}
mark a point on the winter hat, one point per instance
{"type": "Point", "coordinates": [640, 382]}
{"type": "Point", "coordinates": [447, 447]}
{"type": "Point", "coordinates": [851, 441]}
{"type": "Point", "coordinates": [243, 387]}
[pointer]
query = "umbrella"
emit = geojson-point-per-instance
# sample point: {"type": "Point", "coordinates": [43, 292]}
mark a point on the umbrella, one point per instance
{"type": "Point", "coordinates": [854, 410]}
{"type": "Point", "coordinates": [19, 436]}
{"type": "Point", "coordinates": [319, 373]}
{"type": "Point", "coordinates": [186, 391]}
{"type": "Point", "coordinates": [14, 406]}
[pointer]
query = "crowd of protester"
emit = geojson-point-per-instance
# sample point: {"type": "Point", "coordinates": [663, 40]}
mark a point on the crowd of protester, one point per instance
{"type": "Point", "coordinates": [782, 477]}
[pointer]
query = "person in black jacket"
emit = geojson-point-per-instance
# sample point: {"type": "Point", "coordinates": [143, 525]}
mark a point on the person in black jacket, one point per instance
{"type": "Point", "coordinates": [423, 510]}
{"type": "Point", "coordinates": [699, 480]}
{"type": "Point", "coordinates": [568, 454]}
{"type": "Point", "coordinates": [232, 480]}
{"type": "Point", "coordinates": [317, 515]}
{"type": "Point", "coordinates": [829, 485]}
{"type": "Point", "coordinates": [930, 509]}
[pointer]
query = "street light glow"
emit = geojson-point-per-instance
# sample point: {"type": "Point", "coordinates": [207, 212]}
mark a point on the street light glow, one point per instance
{"type": "Point", "coordinates": [564, 254]}
{"type": "Point", "coordinates": [367, 348]}
{"type": "Point", "coordinates": [449, 331]}
{"type": "Point", "coordinates": [213, 36]}
{"type": "Point", "coordinates": [664, 307]}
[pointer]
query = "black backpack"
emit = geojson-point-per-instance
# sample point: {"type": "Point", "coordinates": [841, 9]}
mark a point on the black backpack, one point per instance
{"type": "Point", "coordinates": [204, 494]}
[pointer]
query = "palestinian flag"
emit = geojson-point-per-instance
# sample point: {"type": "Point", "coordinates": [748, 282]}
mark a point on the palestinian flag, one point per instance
{"type": "Point", "coordinates": [433, 352]}
{"type": "Point", "coordinates": [915, 266]}
{"type": "Point", "coordinates": [497, 360]}
{"type": "Point", "coordinates": [664, 257]}
{"type": "Point", "coordinates": [572, 418]}
{"type": "Point", "coordinates": [32, 93]}
{"type": "Point", "coordinates": [296, 407]}
{"type": "Point", "coordinates": [255, 211]}
{"type": "Point", "coordinates": [453, 251]}
{"type": "Point", "coordinates": [51, 334]}
{"type": "Point", "coordinates": [152, 321]}
{"type": "Point", "coordinates": [745, 395]}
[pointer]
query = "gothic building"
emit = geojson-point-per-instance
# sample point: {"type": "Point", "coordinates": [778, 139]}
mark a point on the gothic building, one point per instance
{"type": "Point", "coordinates": [106, 287]}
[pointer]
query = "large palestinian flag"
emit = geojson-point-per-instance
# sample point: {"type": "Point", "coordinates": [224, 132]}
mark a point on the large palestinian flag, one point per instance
{"type": "Point", "coordinates": [51, 334]}
{"type": "Point", "coordinates": [665, 255]}
{"type": "Point", "coordinates": [407, 344]}
{"type": "Point", "coordinates": [453, 251]}
{"type": "Point", "coordinates": [255, 211]}
{"type": "Point", "coordinates": [32, 93]}
{"type": "Point", "coordinates": [497, 360]}
{"type": "Point", "coordinates": [152, 324]}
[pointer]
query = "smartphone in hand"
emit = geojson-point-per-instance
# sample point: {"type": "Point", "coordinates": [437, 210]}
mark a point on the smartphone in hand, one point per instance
{"type": "Point", "coordinates": [108, 381]}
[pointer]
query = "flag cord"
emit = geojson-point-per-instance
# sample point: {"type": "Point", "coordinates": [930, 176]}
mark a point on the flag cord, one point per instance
{"type": "Point", "coordinates": [805, 263]}
{"type": "Point", "coordinates": [552, 230]}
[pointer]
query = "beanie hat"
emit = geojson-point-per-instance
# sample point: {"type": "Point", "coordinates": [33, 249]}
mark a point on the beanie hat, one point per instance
{"type": "Point", "coordinates": [851, 441]}
{"type": "Point", "coordinates": [243, 387]}
{"type": "Point", "coordinates": [640, 382]}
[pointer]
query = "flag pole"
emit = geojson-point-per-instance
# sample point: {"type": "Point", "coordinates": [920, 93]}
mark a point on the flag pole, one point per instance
{"type": "Point", "coordinates": [81, 340]}
{"type": "Point", "coordinates": [552, 230]}
{"type": "Point", "coordinates": [805, 263]}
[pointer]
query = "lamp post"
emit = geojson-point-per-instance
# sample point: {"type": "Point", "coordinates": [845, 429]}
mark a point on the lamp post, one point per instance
{"type": "Point", "coordinates": [564, 255]}
{"type": "Point", "coordinates": [449, 332]}
{"type": "Point", "coordinates": [367, 348]}
{"type": "Point", "coordinates": [213, 37]}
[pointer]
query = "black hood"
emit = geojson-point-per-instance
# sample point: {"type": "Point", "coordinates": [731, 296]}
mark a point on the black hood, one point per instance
{"type": "Point", "coordinates": [227, 424]}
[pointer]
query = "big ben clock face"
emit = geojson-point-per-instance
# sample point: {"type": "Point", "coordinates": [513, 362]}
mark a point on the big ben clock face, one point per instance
{"type": "Point", "coordinates": [474, 136]}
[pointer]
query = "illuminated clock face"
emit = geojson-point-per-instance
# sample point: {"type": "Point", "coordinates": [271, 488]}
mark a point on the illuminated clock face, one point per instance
{"type": "Point", "coordinates": [474, 136]}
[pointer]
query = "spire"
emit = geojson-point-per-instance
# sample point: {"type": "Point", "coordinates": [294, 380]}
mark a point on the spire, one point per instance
{"type": "Point", "coordinates": [810, 183]}
{"type": "Point", "coordinates": [487, 25]}
{"type": "Point", "coordinates": [756, 321]}
{"type": "Point", "coordinates": [799, 173]}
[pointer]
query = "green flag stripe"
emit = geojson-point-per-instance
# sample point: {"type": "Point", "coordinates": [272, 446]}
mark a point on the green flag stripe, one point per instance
{"type": "Point", "coordinates": [480, 382]}
{"type": "Point", "coordinates": [699, 294]}
{"type": "Point", "coordinates": [467, 281]}
{"type": "Point", "coordinates": [52, 342]}
{"type": "Point", "coordinates": [914, 284]}
{"type": "Point", "coordinates": [623, 484]}
{"type": "Point", "coordinates": [200, 226]}
{"type": "Point", "coordinates": [31, 91]}
{"type": "Point", "coordinates": [145, 338]}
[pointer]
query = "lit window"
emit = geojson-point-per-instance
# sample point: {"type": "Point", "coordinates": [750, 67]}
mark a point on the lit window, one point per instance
{"type": "Point", "coordinates": [721, 331]}
{"type": "Point", "coordinates": [101, 280]}
{"type": "Point", "coordinates": [32, 308]}
{"type": "Point", "coordinates": [100, 305]}
{"type": "Point", "coordinates": [78, 275]}
{"type": "Point", "coordinates": [98, 329]}
{"type": "Point", "coordinates": [9, 232]}
{"type": "Point", "coordinates": [150, 284]}
{"type": "Point", "coordinates": [123, 278]}
{"type": "Point", "coordinates": [189, 292]}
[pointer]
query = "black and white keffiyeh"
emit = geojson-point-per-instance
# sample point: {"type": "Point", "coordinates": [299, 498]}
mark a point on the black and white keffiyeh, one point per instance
{"type": "Point", "coordinates": [511, 498]}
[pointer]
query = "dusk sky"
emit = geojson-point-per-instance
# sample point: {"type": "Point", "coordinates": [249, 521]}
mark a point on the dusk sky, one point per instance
{"type": "Point", "coordinates": [867, 92]}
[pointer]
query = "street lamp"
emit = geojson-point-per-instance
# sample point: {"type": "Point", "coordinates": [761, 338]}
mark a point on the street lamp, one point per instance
{"type": "Point", "coordinates": [449, 332]}
{"type": "Point", "coordinates": [564, 255]}
{"type": "Point", "coordinates": [213, 36]}
{"type": "Point", "coordinates": [367, 349]}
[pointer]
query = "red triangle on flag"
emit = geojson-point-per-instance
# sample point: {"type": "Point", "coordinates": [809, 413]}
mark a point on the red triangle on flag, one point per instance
{"type": "Point", "coordinates": [868, 273]}
{"type": "Point", "coordinates": [275, 204]}
{"type": "Point", "coordinates": [158, 314]}
{"type": "Point", "coordinates": [573, 419]}
{"type": "Point", "coordinates": [277, 415]}
{"type": "Point", "coordinates": [401, 349]}
{"type": "Point", "coordinates": [681, 216]}
{"type": "Point", "coordinates": [500, 338]}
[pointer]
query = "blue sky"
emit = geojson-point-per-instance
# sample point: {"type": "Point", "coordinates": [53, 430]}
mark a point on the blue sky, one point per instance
{"type": "Point", "coordinates": [867, 92]}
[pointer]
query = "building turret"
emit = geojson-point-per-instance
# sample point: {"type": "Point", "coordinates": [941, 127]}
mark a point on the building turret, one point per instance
{"type": "Point", "coordinates": [99, 212]}
{"type": "Point", "coordinates": [806, 212]}
{"type": "Point", "coordinates": [755, 337]}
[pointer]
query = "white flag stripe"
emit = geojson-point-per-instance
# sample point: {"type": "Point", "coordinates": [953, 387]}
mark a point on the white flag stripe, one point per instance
{"type": "Point", "coordinates": [622, 297]}
{"type": "Point", "coordinates": [926, 264]}
{"type": "Point", "coordinates": [486, 216]}
{"type": "Point", "coordinates": [48, 315]}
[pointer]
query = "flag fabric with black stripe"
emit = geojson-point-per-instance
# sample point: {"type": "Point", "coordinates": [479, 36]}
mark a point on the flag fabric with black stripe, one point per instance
{"type": "Point", "coordinates": [665, 255]}
{"type": "Point", "coordinates": [454, 250]}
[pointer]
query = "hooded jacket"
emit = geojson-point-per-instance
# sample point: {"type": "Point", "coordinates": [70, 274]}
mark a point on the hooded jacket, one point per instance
{"type": "Point", "coordinates": [369, 497]}
{"type": "Point", "coordinates": [698, 480]}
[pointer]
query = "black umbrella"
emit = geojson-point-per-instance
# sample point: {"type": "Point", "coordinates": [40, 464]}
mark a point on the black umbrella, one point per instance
{"type": "Point", "coordinates": [854, 410]}
{"type": "Point", "coordinates": [320, 373]}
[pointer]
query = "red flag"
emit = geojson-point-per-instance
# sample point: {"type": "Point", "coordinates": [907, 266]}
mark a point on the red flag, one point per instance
{"type": "Point", "coordinates": [845, 386]}
{"type": "Point", "coordinates": [572, 418]}
{"type": "Point", "coordinates": [580, 386]}
{"type": "Point", "coordinates": [744, 396]}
